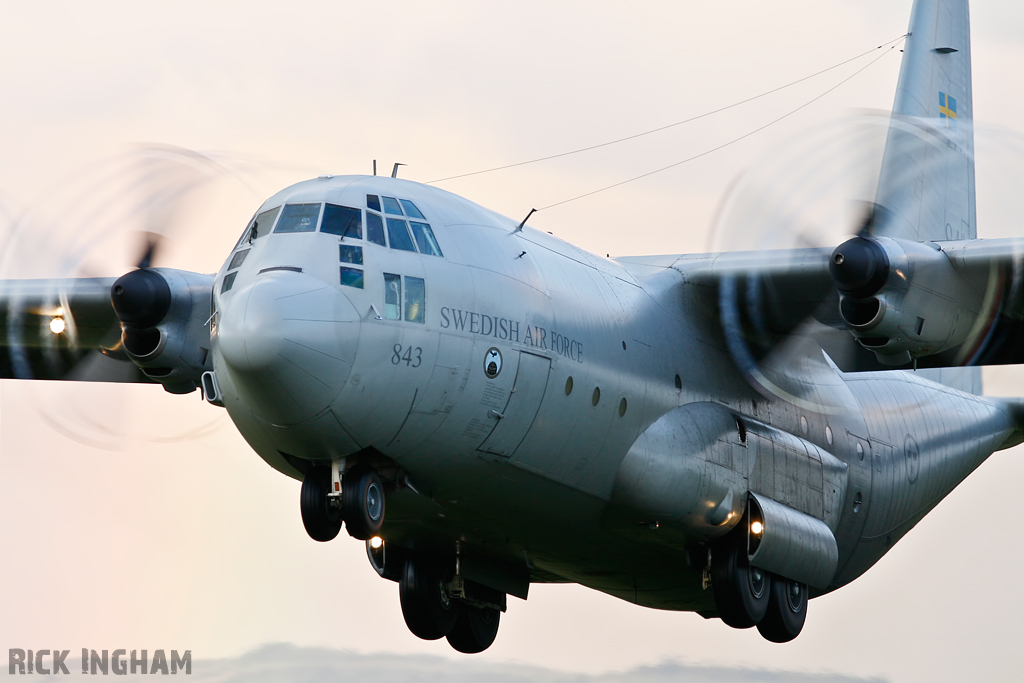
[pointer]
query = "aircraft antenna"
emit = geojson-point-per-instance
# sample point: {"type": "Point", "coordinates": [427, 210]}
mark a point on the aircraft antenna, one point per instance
{"type": "Point", "coordinates": [374, 167]}
{"type": "Point", "coordinates": [677, 123]}
{"type": "Point", "coordinates": [520, 226]}
{"type": "Point", "coordinates": [730, 142]}
{"type": "Point", "coordinates": [394, 171]}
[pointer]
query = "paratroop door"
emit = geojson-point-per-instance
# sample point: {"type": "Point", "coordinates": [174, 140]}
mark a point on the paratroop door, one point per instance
{"type": "Point", "coordinates": [523, 403]}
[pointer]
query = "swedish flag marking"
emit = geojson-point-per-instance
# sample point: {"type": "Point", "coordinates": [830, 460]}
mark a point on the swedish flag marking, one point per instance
{"type": "Point", "coordinates": [947, 109]}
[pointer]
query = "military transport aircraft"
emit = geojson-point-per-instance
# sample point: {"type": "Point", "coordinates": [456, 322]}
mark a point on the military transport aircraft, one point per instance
{"type": "Point", "coordinates": [487, 406]}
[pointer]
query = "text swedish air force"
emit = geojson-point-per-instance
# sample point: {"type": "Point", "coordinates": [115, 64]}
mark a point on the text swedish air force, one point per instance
{"type": "Point", "coordinates": [511, 330]}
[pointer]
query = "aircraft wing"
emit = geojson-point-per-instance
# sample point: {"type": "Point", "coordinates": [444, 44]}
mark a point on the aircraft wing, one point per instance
{"type": "Point", "coordinates": [62, 329]}
{"type": "Point", "coordinates": [872, 303]}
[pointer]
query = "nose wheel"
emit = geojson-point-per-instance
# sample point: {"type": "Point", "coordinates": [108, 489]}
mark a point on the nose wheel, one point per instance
{"type": "Point", "coordinates": [362, 500]}
{"type": "Point", "coordinates": [321, 519]}
{"type": "Point", "coordinates": [360, 506]}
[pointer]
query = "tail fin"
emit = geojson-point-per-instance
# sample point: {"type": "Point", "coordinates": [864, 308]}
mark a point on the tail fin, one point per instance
{"type": "Point", "coordinates": [926, 186]}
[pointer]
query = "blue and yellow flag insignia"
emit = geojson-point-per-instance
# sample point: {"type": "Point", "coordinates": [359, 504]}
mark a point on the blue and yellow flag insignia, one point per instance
{"type": "Point", "coordinates": [947, 109]}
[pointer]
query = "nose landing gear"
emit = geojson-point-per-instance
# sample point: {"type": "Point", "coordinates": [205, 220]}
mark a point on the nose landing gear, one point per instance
{"type": "Point", "coordinates": [360, 505]}
{"type": "Point", "coordinates": [320, 517]}
{"type": "Point", "coordinates": [362, 501]}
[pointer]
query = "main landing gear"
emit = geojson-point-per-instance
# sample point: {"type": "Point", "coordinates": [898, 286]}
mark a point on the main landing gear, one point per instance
{"type": "Point", "coordinates": [359, 503]}
{"type": "Point", "coordinates": [438, 605]}
{"type": "Point", "coordinates": [746, 596]}
{"type": "Point", "coordinates": [437, 602]}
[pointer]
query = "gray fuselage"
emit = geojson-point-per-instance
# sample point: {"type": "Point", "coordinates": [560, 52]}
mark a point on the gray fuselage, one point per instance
{"type": "Point", "coordinates": [507, 383]}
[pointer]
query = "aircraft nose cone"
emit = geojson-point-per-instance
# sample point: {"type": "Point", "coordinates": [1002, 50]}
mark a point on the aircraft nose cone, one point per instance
{"type": "Point", "coordinates": [289, 341]}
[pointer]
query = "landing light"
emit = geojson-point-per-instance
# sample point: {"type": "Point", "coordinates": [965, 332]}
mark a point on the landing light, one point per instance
{"type": "Point", "coordinates": [756, 528]}
{"type": "Point", "coordinates": [376, 542]}
{"type": "Point", "coordinates": [57, 325]}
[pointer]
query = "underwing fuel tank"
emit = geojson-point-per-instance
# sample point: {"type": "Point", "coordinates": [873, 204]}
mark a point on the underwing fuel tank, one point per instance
{"type": "Point", "coordinates": [288, 341]}
{"type": "Point", "coordinates": [692, 471]}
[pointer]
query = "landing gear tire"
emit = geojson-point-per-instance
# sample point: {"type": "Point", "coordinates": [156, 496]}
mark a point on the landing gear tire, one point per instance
{"type": "Point", "coordinates": [321, 519]}
{"type": "Point", "coordinates": [475, 629]}
{"type": "Point", "coordinates": [362, 496]}
{"type": "Point", "coordinates": [787, 611]}
{"type": "Point", "coordinates": [741, 592]}
{"type": "Point", "coordinates": [429, 611]}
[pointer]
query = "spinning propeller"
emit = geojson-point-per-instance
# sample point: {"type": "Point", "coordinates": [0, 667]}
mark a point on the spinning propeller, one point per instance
{"type": "Point", "coordinates": [64, 306]}
{"type": "Point", "coordinates": [829, 264]}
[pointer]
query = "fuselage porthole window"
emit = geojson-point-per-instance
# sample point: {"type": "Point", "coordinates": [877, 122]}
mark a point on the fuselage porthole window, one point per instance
{"type": "Point", "coordinates": [342, 220]}
{"type": "Point", "coordinates": [299, 218]}
{"type": "Point", "coordinates": [375, 229]}
{"type": "Point", "coordinates": [392, 296]}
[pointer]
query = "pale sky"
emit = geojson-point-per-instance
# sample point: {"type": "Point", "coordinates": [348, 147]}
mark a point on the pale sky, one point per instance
{"type": "Point", "coordinates": [182, 538]}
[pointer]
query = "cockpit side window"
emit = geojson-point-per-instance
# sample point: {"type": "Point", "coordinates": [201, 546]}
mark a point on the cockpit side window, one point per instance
{"type": "Point", "coordinates": [342, 220]}
{"type": "Point", "coordinates": [299, 218]}
{"type": "Point", "coordinates": [259, 226]}
{"type": "Point", "coordinates": [415, 299]}
{"type": "Point", "coordinates": [398, 235]}
{"type": "Point", "coordinates": [410, 209]}
{"type": "Point", "coordinates": [372, 202]}
{"type": "Point", "coordinates": [374, 228]}
{"type": "Point", "coordinates": [392, 296]}
{"type": "Point", "coordinates": [425, 239]}
{"type": "Point", "coordinates": [391, 206]}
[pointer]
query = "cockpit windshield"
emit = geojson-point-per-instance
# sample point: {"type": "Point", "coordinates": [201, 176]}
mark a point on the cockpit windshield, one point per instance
{"type": "Point", "coordinates": [390, 222]}
{"type": "Point", "coordinates": [299, 218]}
{"type": "Point", "coordinates": [259, 226]}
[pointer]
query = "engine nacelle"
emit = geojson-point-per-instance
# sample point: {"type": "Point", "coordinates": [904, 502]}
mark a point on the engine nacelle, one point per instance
{"type": "Point", "coordinates": [902, 299]}
{"type": "Point", "coordinates": [165, 315]}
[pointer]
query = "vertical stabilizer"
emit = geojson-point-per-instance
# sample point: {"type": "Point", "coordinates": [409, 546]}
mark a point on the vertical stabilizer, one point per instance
{"type": "Point", "coordinates": [926, 186]}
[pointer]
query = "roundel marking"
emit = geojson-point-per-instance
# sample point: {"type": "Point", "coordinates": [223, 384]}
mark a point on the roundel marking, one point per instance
{"type": "Point", "coordinates": [492, 362]}
{"type": "Point", "coordinates": [913, 454]}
